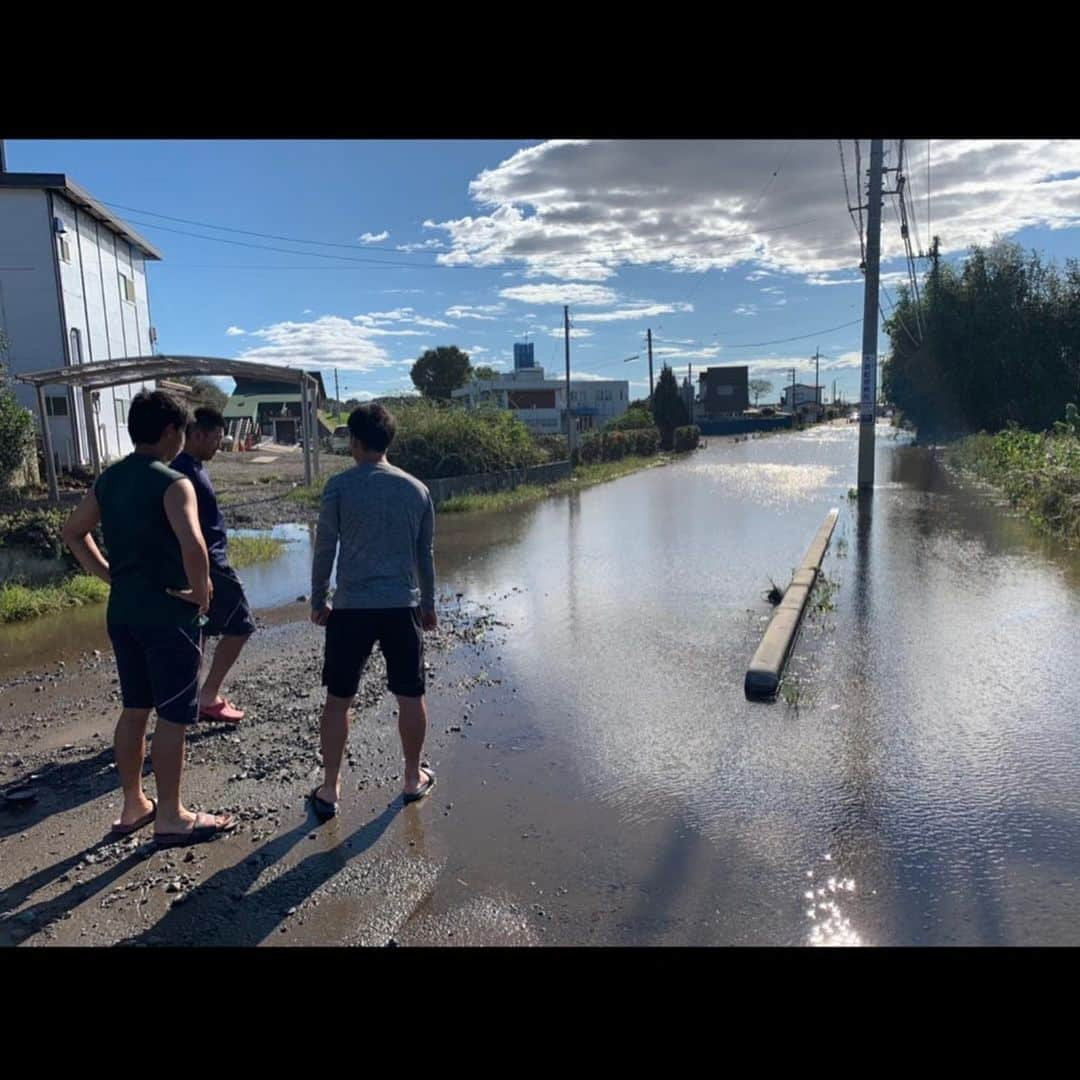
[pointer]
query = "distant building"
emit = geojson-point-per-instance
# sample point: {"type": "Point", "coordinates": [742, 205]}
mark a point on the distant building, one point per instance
{"type": "Point", "coordinates": [73, 290]}
{"type": "Point", "coordinates": [540, 403]}
{"type": "Point", "coordinates": [272, 408]}
{"type": "Point", "coordinates": [803, 395]}
{"type": "Point", "coordinates": [523, 356]}
{"type": "Point", "coordinates": [724, 391]}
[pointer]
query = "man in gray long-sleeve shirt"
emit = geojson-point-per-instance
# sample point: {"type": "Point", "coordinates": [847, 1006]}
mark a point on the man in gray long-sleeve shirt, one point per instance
{"type": "Point", "coordinates": [379, 521]}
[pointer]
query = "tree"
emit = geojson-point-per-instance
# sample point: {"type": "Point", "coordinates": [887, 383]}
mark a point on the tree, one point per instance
{"type": "Point", "coordinates": [484, 372]}
{"type": "Point", "coordinates": [758, 387]}
{"type": "Point", "coordinates": [16, 424]}
{"type": "Point", "coordinates": [668, 407]}
{"type": "Point", "coordinates": [440, 371]}
{"type": "Point", "coordinates": [205, 392]}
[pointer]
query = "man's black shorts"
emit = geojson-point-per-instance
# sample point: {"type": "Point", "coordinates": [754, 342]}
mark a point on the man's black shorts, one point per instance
{"type": "Point", "coordinates": [159, 668]}
{"type": "Point", "coordinates": [229, 612]}
{"type": "Point", "coordinates": [351, 634]}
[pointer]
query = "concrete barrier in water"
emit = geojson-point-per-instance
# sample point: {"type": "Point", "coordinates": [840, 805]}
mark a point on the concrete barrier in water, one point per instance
{"type": "Point", "coordinates": [763, 675]}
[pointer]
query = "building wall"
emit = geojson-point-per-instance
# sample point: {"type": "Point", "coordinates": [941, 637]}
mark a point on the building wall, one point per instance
{"type": "Point", "coordinates": [30, 303]}
{"type": "Point", "coordinates": [110, 327]}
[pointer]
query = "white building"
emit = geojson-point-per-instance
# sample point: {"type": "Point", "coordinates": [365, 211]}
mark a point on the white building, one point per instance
{"type": "Point", "coordinates": [73, 290]}
{"type": "Point", "coordinates": [803, 393]}
{"type": "Point", "coordinates": [540, 403]}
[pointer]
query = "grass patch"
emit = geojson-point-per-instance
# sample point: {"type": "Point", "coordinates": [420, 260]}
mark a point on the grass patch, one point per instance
{"type": "Point", "coordinates": [21, 602]}
{"type": "Point", "coordinates": [583, 476]}
{"type": "Point", "coordinates": [246, 550]}
{"type": "Point", "coordinates": [308, 494]}
{"type": "Point", "coordinates": [1038, 472]}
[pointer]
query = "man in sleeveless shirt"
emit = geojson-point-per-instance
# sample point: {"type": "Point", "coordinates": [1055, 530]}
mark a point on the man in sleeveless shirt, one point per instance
{"type": "Point", "coordinates": [160, 591]}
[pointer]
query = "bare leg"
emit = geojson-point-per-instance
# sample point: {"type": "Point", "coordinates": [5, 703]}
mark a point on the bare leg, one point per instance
{"type": "Point", "coordinates": [412, 727]}
{"type": "Point", "coordinates": [334, 734]}
{"type": "Point", "coordinates": [228, 649]}
{"type": "Point", "coordinates": [129, 744]}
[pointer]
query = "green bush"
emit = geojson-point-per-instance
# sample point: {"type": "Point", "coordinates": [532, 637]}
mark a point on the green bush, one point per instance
{"type": "Point", "coordinates": [687, 438]}
{"type": "Point", "coordinates": [16, 435]}
{"type": "Point", "coordinates": [646, 441]}
{"type": "Point", "coordinates": [38, 532]}
{"type": "Point", "coordinates": [553, 446]}
{"type": "Point", "coordinates": [636, 417]}
{"type": "Point", "coordinates": [433, 437]}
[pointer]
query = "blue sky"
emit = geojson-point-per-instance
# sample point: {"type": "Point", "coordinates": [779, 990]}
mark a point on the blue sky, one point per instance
{"type": "Point", "coordinates": [725, 249]}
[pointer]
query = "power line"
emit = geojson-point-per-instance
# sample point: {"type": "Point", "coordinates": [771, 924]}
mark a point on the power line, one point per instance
{"type": "Point", "coordinates": [800, 337]}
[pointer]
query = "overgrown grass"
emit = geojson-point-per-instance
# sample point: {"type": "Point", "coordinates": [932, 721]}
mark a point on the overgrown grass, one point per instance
{"type": "Point", "coordinates": [1038, 472]}
{"type": "Point", "coordinates": [21, 602]}
{"type": "Point", "coordinates": [245, 550]}
{"type": "Point", "coordinates": [582, 476]}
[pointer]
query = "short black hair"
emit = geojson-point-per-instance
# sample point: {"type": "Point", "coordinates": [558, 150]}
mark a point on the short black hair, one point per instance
{"type": "Point", "coordinates": [206, 418]}
{"type": "Point", "coordinates": [151, 412]}
{"type": "Point", "coordinates": [373, 426]}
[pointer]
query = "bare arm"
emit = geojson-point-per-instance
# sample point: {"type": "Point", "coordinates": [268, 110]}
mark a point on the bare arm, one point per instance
{"type": "Point", "coordinates": [326, 542]}
{"type": "Point", "coordinates": [182, 511]}
{"type": "Point", "coordinates": [76, 534]}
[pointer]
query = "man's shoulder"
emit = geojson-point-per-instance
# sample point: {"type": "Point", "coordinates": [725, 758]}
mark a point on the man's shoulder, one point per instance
{"type": "Point", "coordinates": [405, 478]}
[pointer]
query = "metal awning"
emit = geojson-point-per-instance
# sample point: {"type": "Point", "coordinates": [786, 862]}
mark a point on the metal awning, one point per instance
{"type": "Point", "coordinates": [106, 373]}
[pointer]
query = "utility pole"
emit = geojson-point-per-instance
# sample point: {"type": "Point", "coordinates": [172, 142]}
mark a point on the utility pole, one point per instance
{"type": "Point", "coordinates": [817, 377]}
{"type": "Point", "coordinates": [867, 410]}
{"type": "Point", "coordinates": [791, 403]}
{"type": "Point", "coordinates": [569, 418]}
{"type": "Point", "coordinates": [3, 158]}
{"type": "Point", "coordinates": [690, 380]}
{"type": "Point", "coordinates": [337, 389]}
{"type": "Point", "coordinates": [648, 334]}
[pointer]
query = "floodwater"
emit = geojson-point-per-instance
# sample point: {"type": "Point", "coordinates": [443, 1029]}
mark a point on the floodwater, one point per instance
{"type": "Point", "coordinates": [918, 782]}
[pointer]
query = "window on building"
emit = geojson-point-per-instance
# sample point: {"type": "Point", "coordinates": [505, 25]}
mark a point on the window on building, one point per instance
{"type": "Point", "coordinates": [65, 250]}
{"type": "Point", "coordinates": [76, 346]}
{"type": "Point", "coordinates": [121, 411]}
{"type": "Point", "coordinates": [56, 404]}
{"type": "Point", "coordinates": [127, 288]}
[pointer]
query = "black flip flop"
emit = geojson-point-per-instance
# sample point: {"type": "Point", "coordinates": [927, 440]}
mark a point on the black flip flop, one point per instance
{"type": "Point", "coordinates": [200, 834]}
{"type": "Point", "coordinates": [135, 826]}
{"type": "Point", "coordinates": [324, 810]}
{"type": "Point", "coordinates": [424, 790]}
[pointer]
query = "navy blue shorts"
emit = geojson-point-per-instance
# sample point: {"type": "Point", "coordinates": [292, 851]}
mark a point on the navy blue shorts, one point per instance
{"type": "Point", "coordinates": [159, 669]}
{"type": "Point", "coordinates": [229, 613]}
{"type": "Point", "coordinates": [351, 634]}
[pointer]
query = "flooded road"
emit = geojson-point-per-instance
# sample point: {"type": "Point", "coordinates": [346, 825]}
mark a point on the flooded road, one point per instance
{"type": "Point", "coordinates": [918, 783]}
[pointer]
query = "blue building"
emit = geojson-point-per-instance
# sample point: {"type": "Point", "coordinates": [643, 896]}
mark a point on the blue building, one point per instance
{"type": "Point", "coordinates": [523, 356]}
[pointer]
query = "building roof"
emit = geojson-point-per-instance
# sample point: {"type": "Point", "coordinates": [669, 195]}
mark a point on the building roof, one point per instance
{"type": "Point", "coordinates": [131, 369]}
{"type": "Point", "coordinates": [82, 199]}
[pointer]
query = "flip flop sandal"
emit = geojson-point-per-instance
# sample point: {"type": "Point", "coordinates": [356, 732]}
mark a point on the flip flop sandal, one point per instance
{"type": "Point", "coordinates": [135, 826]}
{"type": "Point", "coordinates": [223, 710]}
{"type": "Point", "coordinates": [206, 828]}
{"type": "Point", "coordinates": [416, 796]}
{"type": "Point", "coordinates": [324, 810]}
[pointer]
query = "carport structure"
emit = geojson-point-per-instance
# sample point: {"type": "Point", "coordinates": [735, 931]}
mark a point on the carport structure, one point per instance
{"type": "Point", "coordinates": [106, 373]}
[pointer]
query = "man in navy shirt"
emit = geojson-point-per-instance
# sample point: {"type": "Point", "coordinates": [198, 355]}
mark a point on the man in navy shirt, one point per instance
{"type": "Point", "coordinates": [229, 614]}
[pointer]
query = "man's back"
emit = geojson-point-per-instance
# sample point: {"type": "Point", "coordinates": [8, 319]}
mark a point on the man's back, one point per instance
{"type": "Point", "coordinates": [383, 520]}
{"type": "Point", "coordinates": [144, 553]}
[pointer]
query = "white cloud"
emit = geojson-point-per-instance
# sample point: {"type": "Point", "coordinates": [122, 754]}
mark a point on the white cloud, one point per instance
{"type": "Point", "coordinates": [578, 210]}
{"type": "Point", "coordinates": [774, 290]}
{"type": "Point", "coordinates": [330, 341]}
{"type": "Point", "coordinates": [641, 311]}
{"type": "Point", "coordinates": [745, 309]}
{"type": "Point", "coordinates": [428, 245]}
{"type": "Point", "coordinates": [758, 275]}
{"type": "Point", "coordinates": [560, 333]}
{"type": "Point", "coordinates": [374, 238]}
{"type": "Point", "coordinates": [235, 331]}
{"type": "Point", "coordinates": [706, 352]}
{"type": "Point", "coordinates": [476, 350]}
{"type": "Point", "coordinates": [399, 315]}
{"type": "Point", "coordinates": [487, 312]}
{"type": "Point", "coordinates": [306, 311]}
{"type": "Point", "coordinates": [552, 292]}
